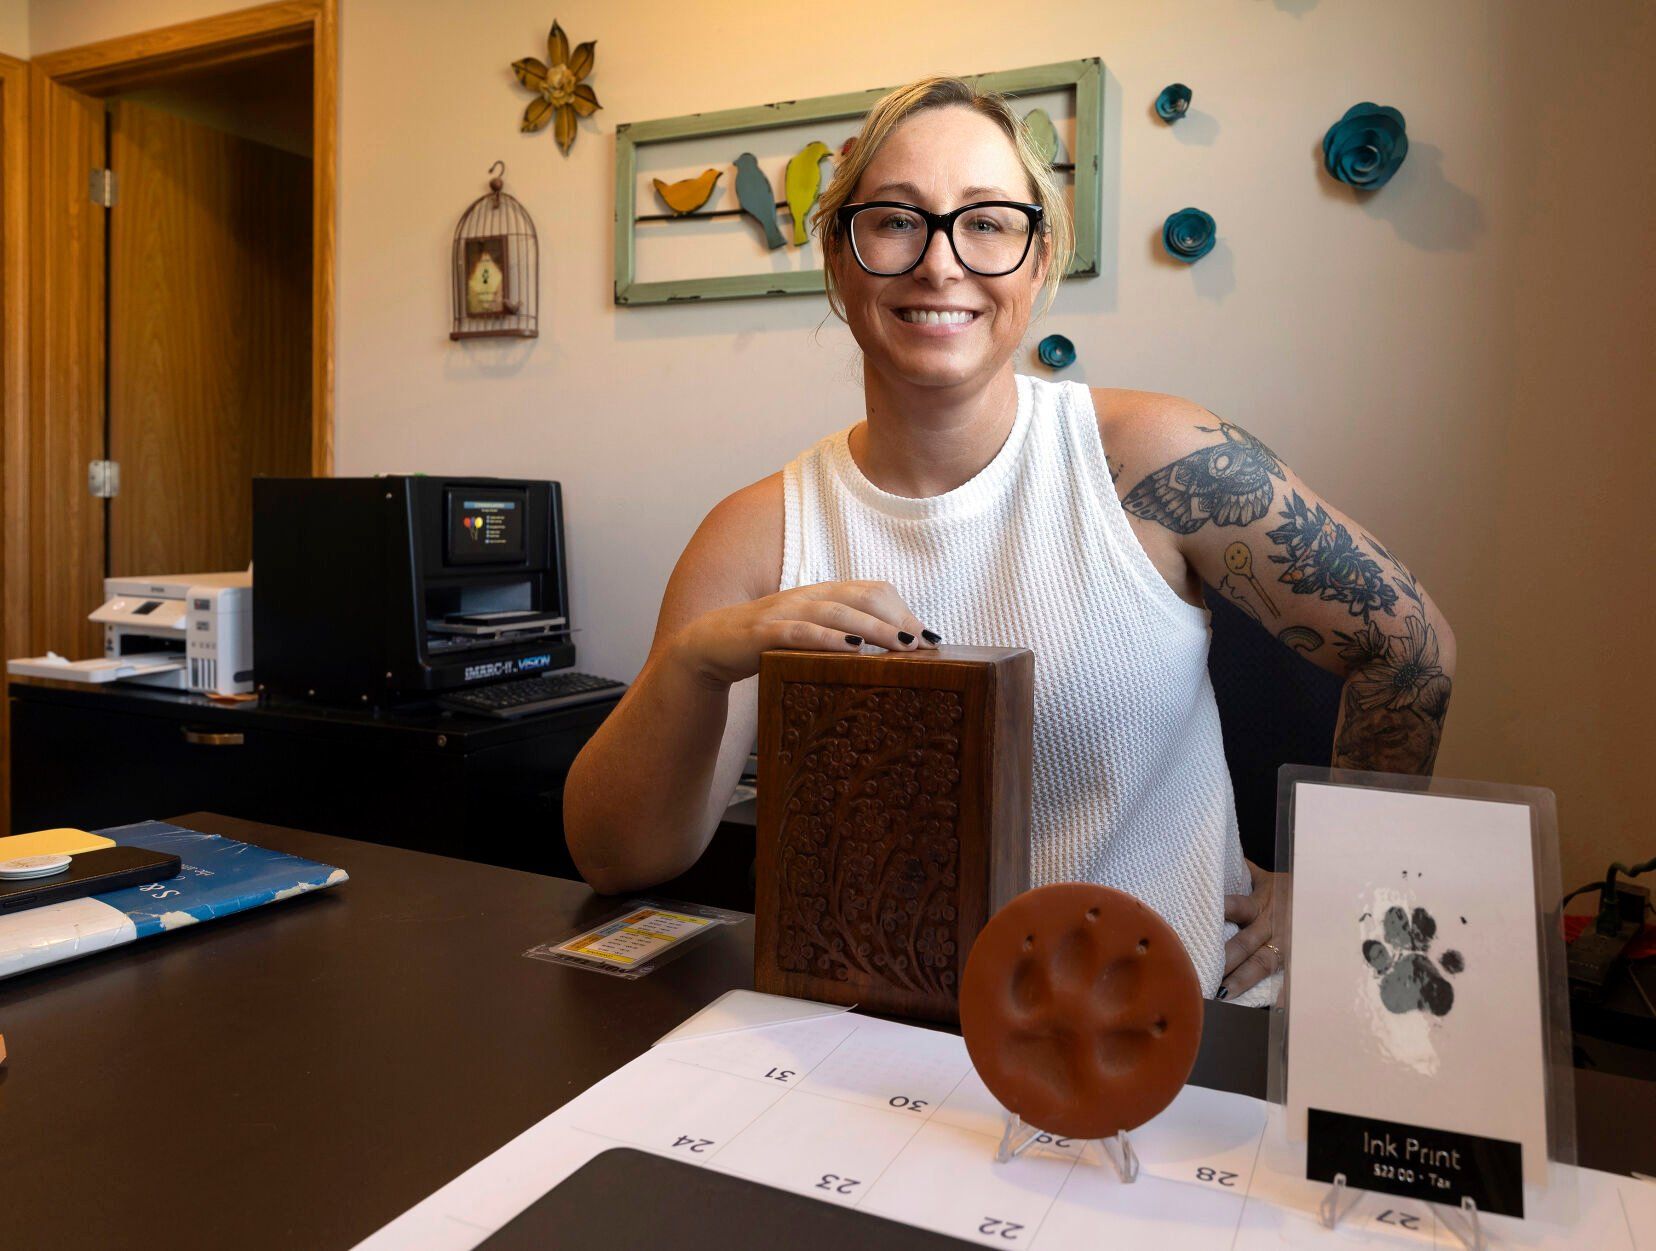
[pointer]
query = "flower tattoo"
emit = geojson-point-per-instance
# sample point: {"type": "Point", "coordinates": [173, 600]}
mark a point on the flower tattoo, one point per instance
{"type": "Point", "coordinates": [1324, 560]}
{"type": "Point", "coordinates": [1399, 671]}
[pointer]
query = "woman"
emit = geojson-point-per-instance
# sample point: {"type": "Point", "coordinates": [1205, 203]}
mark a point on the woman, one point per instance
{"type": "Point", "coordinates": [984, 507]}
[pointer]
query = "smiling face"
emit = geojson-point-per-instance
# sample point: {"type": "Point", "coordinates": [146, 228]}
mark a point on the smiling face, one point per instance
{"type": "Point", "coordinates": [940, 325]}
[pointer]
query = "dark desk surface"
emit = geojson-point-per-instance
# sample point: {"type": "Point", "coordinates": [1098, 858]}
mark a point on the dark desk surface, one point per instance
{"type": "Point", "coordinates": [418, 723]}
{"type": "Point", "coordinates": [299, 1074]}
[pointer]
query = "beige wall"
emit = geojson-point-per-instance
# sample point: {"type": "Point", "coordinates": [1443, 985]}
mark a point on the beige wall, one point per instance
{"type": "Point", "coordinates": [1458, 361]}
{"type": "Point", "coordinates": [58, 24]}
{"type": "Point", "coordinates": [14, 28]}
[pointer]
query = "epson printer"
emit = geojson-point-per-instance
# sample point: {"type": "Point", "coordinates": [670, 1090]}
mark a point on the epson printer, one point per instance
{"type": "Point", "coordinates": [382, 590]}
{"type": "Point", "coordinates": [191, 632]}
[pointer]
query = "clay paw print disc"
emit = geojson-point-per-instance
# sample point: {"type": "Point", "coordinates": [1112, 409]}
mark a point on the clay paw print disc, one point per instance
{"type": "Point", "coordinates": [1081, 1010]}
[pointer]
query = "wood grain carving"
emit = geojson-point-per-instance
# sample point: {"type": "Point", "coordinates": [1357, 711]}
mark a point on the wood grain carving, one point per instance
{"type": "Point", "coordinates": [893, 820]}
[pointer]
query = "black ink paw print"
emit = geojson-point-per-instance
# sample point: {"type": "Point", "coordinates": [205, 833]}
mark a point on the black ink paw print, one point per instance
{"type": "Point", "coordinates": [1409, 980]}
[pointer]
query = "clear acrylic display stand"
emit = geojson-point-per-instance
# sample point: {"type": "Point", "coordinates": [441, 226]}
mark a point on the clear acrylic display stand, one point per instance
{"type": "Point", "coordinates": [1336, 1205]}
{"type": "Point", "coordinates": [1019, 1135]}
{"type": "Point", "coordinates": [1554, 1203]}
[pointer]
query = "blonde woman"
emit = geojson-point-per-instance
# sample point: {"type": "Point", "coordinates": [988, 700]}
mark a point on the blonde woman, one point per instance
{"type": "Point", "coordinates": [980, 506]}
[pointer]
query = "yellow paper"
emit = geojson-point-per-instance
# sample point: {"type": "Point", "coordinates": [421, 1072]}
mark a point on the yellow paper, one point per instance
{"type": "Point", "coordinates": [60, 842]}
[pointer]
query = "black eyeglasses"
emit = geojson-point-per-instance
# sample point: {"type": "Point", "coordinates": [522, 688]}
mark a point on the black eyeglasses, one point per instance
{"type": "Point", "coordinates": [990, 238]}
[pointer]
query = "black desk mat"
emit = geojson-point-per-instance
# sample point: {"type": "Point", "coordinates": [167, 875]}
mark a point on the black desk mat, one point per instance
{"type": "Point", "coordinates": [625, 1198]}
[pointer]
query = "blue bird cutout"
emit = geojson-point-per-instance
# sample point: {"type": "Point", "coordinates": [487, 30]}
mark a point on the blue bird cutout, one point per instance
{"type": "Point", "coordinates": [757, 198]}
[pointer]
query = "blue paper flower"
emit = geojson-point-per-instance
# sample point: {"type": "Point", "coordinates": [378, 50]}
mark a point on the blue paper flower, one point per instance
{"type": "Point", "coordinates": [1364, 148]}
{"type": "Point", "coordinates": [1056, 351]}
{"type": "Point", "coordinates": [1188, 235]}
{"type": "Point", "coordinates": [1173, 103]}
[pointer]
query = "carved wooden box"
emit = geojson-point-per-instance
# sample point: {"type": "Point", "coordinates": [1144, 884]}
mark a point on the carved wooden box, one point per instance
{"type": "Point", "coordinates": [893, 820]}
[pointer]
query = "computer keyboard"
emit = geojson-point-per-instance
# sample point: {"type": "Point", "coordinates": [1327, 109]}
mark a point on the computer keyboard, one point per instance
{"type": "Point", "coordinates": [523, 696]}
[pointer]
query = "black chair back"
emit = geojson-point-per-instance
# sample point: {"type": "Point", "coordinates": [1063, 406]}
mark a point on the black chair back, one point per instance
{"type": "Point", "coordinates": [1275, 708]}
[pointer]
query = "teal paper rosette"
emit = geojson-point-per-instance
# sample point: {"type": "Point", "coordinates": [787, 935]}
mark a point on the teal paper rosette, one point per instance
{"type": "Point", "coordinates": [1173, 103]}
{"type": "Point", "coordinates": [1366, 146]}
{"type": "Point", "coordinates": [1056, 351]}
{"type": "Point", "coordinates": [1188, 235]}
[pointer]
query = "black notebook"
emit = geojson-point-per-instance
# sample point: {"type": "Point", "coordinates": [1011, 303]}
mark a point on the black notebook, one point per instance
{"type": "Point", "coordinates": [626, 1198]}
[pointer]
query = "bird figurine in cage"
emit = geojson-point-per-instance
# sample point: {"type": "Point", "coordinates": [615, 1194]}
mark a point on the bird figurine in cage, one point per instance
{"type": "Point", "coordinates": [496, 267]}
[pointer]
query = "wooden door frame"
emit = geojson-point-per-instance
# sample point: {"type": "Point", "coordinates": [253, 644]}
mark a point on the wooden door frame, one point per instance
{"type": "Point", "coordinates": [14, 362]}
{"type": "Point", "coordinates": [132, 61]}
{"type": "Point", "coordinates": [14, 389]}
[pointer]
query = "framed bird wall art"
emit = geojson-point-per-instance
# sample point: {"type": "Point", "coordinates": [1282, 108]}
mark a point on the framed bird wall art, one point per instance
{"type": "Point", "coordinates": [720, 205]}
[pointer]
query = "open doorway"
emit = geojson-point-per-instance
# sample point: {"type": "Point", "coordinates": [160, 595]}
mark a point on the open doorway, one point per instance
{"type": "Point", "coordinates": [168, 304]}
{"type": "Point", "coordinates": [208, 309]}
{"type": "Point", "coordinates": [179, 310]}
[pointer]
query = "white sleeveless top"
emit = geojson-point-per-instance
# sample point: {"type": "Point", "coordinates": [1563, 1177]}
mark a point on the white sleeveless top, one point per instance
{"type": "Point", "coordinates": [1130, 784]}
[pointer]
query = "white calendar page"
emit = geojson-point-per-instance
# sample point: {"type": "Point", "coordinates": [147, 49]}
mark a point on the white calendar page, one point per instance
{"type": "Point", "coordinates": [892, 1119]}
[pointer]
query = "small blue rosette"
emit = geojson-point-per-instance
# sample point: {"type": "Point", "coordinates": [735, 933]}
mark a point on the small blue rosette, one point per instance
{"type": "Point", "coordinates": [1056, 351]}
{"type": "Point", "coordinates": [1188, 235]}
{"type": "Point", "coordinates": [1366, 146]}
{"type": "Point", "coordinates": [1173, 103]}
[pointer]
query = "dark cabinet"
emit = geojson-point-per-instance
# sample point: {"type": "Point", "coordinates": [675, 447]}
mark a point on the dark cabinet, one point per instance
{"type": "Point", "coordinates": [428, 780]}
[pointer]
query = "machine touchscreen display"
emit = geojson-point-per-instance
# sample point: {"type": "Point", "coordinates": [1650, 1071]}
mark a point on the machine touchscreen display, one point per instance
{"type": "Point", "coordinates": [485, 526]}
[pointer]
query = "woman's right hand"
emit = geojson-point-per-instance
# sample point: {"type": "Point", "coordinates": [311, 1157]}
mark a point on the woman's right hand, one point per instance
{"type": "Point", "coordinates": [723, 646]}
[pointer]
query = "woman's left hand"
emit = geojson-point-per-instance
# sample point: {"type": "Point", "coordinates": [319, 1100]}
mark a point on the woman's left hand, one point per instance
{"type": "Point", "coordinates": [1251, 956]}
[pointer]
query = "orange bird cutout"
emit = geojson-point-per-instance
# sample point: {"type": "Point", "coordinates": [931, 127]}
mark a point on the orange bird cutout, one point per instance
{"type": "Point", "coordinates": [689, 195]}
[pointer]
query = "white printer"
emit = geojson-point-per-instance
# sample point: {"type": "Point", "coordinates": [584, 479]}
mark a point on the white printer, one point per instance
{"type": "Point", "coordinates": [190, 632]}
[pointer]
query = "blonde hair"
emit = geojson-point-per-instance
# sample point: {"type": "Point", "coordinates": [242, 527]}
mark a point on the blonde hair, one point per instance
{"type": "Point", "coordinates": [1056, 238]}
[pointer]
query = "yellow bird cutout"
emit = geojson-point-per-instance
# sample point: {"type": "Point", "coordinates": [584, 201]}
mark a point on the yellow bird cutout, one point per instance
{"type": "Point", "coordinates": [1043, 134]}
{"type": "Point", "coordinates": [689, 195]}
{"type": "Point", "coordinates": [804, 182]}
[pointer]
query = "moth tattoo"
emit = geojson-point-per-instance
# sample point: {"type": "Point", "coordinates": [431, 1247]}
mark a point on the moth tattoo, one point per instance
{"type": "Point", "coordinates": [1228, 484]}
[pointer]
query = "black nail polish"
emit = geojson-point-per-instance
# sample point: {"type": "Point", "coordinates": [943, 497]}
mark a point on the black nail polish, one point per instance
{"type": "Point", "coordinates": [1222, 993]}
{"type": "Point", "coordinates": [931, 636]}
{"type": "Point", "coordinates": [854, 639]}
{"type": "Point", "coordinates": [904, 637]}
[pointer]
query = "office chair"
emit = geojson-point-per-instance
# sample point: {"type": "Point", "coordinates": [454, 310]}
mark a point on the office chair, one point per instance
{"type": "Point", "coordinates": [1275, 708]}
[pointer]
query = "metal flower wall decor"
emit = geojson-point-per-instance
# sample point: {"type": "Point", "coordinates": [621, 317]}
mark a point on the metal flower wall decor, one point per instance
{"type": "Point", "coordinates": [560, 91]}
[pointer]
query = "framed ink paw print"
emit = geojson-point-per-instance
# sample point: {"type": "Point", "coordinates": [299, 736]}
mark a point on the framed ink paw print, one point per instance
{"type": "Point", "coordinates": [1418, 995]}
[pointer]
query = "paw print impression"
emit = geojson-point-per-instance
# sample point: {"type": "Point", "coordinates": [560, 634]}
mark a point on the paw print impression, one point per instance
{"type": "Point", "coordinates": [1081, 1010]}
{"type": "Point", "coordinates": [1410, 981]}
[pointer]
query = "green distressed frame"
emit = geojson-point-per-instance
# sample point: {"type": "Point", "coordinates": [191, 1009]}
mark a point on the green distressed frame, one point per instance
{"type": "Point", "coordinates": [1085, 76]}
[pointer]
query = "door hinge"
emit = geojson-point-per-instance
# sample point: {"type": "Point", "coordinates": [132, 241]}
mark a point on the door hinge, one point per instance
{"type": "Point", "coordinates": [103, 478]}
{"type": "Point", "coordinates": [100, 187]}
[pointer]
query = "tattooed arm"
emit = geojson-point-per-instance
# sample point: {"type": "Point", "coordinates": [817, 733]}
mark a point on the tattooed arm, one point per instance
{"type": "Point", "coordinates": [1213, 504]}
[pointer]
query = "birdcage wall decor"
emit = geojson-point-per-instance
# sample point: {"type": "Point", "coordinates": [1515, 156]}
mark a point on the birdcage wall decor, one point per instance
{"type": "Point", "coordinates": [496, 267]}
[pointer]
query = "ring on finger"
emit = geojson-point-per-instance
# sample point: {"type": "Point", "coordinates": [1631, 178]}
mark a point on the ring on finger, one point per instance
{"type": "Point", "coordinates": [1275, 950]}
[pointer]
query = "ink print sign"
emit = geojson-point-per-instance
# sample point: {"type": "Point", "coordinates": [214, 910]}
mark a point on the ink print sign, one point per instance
{"type": "Point", "coordinates": [1439, 1166]}
{"type": "Point", "coordinates": [1416, 1059]}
